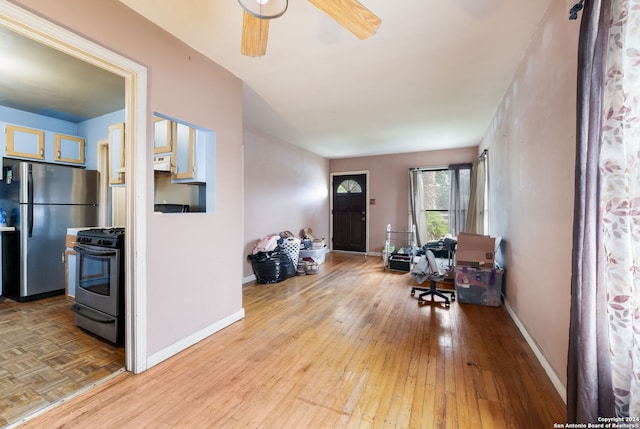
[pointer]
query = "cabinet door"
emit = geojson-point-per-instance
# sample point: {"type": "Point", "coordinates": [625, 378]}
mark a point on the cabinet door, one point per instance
{"type": "Point", "coordinates": [116, 154]}
{"type": "Point", "coordinates": [161, 135]}
{"type": "Point", "coordinates": [25, 142]}
{"type": "Point", "coordinates": [69, 149]}
{"type": "Point", "coordinates": [183, 147]}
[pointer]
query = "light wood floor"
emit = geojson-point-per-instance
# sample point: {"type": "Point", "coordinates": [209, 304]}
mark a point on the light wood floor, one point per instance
{"type": "Point", "coordinates": [346, 348]}
{"type": "Point", "coordinates": [44, 357]}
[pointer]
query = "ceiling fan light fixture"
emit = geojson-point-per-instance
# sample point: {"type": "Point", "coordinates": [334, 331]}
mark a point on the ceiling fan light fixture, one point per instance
{"type": "Point", "coordinates": [265, 9]}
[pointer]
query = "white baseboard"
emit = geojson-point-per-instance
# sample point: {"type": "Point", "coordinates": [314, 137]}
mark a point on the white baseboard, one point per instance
{"type": "Point", "coordinates": [248, 279]}
{"type": "Point", "coordinates": [561, 388]}
{"type": "Point", "coordinates": [192, 339]}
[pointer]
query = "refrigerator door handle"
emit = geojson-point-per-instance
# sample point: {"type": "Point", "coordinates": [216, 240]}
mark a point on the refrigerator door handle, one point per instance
{"type": "Point", "coordinates": [30, 201]}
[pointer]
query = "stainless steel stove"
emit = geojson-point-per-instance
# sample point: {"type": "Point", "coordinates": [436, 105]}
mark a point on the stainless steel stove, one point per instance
{"type": "Point", "coordinates": [99, 306]}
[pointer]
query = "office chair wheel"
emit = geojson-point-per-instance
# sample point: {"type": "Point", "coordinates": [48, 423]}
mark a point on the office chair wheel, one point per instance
{"type": "Point", "coordinates": [413, 292]}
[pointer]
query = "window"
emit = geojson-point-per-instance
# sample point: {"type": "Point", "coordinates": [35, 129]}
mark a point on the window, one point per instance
{"type": "Point", "coordinates": [436, 184]}
{"type": "Point", "coordinates": [349, 187]}
{"type": "Point", "coordinates": [441, 197]}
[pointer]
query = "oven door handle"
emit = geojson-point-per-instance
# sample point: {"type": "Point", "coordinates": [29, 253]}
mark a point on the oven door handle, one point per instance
{"type": "Point", "coordinates": [91, 315]}
{"type": "Point", "coordinates": [95, 251]}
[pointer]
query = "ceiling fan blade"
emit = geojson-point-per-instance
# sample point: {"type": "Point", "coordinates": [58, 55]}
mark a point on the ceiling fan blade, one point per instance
{"type": "Point", "coordinates": [351, 15]}
{"type": "Point", "coordinates": [255, 32]}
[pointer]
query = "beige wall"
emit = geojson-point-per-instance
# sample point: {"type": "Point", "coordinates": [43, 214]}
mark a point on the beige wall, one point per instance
{"type": "Point", "coordinates": [389, 185]}
{"type": "Point", "coordinates": [531, 144]}
{"type": "Point", "coordinates": [193, 270]}
{"type": "Point", "coordinates": [286, 189]}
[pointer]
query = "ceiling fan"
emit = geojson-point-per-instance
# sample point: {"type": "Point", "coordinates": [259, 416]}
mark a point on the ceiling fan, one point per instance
{"type": "Point", "coordinates": [351, 14]}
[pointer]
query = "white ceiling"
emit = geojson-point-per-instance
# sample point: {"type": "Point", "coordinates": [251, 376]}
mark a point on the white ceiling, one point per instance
{"type": "Point", "coordinates": [430, 78]}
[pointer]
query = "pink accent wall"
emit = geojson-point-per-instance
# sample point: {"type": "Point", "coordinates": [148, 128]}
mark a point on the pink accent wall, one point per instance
{"type": "Point", "coordinates": [389, 185]}
{"type": "Point", "coordinates": [286, 189]}
{"type": "Point", "coordinates": [531, 144]}
{"type": "Point", "coordinates": [193, 268]}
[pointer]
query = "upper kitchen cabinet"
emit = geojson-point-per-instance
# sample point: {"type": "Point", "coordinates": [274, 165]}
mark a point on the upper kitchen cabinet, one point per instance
{"type": "Point", "coordinates": [184, 166]}
{"type": "Point", "coordinates": [183, 151]}
{"type": "Point", "coordinates": [162, 135]}
{"type": "Point", "coordinates": [24, 142]}
{"type": "Point", "coordinates": [69, 149]}
{"type": "Point", "coordinates": [116, 154]}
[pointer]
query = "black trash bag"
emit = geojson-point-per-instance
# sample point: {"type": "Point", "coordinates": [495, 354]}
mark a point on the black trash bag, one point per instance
{"type": "Point", "coordinates": [272, 267]}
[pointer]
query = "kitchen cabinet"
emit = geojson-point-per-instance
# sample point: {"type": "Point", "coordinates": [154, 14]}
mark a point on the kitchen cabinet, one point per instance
{"type": "Point", "coordinates": [116, 154]}
{"type": "Point", "coordinates": [183, 147]}
{"type": "Point", "coordinates": [43, 145]}
{"type": "Point", "coordinates": [162, 135]}
{"type": "Point", "coordinates": [69, 149]}
{"type": "Point", "coordinates": [24, 142]}
{"type": "Point", "coordinates": [3, 229]}
{"type": "Point", "coordinates": [183, 151]}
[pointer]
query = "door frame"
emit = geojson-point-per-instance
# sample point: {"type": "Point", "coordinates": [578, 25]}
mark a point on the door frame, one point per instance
{"type": "Point", "coordinates": [346, 173]}
{"type": "Point", "coordinates": [49, 34]}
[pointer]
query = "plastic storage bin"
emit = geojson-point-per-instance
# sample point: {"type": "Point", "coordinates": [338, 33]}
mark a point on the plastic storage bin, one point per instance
{"type": "Point", "coordinates": [315, 254]}
{"type": "Point", "coordinates": [481, 286]}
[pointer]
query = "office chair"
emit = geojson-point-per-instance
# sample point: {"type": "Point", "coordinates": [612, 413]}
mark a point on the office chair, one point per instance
{"type": "Point", "coordinates": [435, 276]}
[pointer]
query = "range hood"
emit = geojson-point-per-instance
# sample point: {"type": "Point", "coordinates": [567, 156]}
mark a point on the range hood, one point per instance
{"type": "Point", "coordinates": [162, 163]}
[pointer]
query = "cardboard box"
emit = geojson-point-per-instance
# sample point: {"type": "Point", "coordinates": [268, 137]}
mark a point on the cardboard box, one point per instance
{"type": "Point", "coordinates": [475, 250]}
{"type": "Point", "coordinates": [481, 286]}
{"type": "Point", "coordinates": [70, 241]}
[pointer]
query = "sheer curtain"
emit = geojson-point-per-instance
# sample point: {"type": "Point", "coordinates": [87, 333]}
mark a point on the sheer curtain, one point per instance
{"type": "Point", "coordinates": [416, 200]}
{"type": "Point", "coordinates": [476, 212]}
{"type": "Point", "coordinates": [459, 190]}
{"type": "Point", "coordinates": [603, 377]}
{"type": "Point", "coordinates": [620, 201]}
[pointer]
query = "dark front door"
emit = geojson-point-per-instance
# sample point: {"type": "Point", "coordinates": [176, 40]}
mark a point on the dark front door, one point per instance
{"type": "Point", "coordinates": [350, 212]}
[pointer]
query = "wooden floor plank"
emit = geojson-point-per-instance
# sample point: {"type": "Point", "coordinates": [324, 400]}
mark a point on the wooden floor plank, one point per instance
{"type": "Point", "coordinates": [347, 347]}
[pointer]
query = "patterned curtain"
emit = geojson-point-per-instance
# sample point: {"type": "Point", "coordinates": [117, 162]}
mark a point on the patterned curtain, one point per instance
{"type": "Point", "coordinates": [620, 201]}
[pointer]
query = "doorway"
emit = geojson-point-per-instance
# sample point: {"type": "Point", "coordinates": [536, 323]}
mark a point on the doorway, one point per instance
{"type": "Point", "coordinates": [349, 212]}
{"type": "Point", "coordinates": [22, 22]}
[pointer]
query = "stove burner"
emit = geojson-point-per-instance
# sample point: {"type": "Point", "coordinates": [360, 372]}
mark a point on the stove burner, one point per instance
{"type": "Point", "coordinates": [104, 237]}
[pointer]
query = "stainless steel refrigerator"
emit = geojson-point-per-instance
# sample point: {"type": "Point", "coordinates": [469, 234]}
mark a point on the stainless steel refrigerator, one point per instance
{"type": "Point", "coordinates": [41, 201]}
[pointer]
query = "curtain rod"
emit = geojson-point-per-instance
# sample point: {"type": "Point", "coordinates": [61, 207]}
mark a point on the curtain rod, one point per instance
{"type": "Point", "coordinates": [483, 154]}
{"type": "Point", "coordinates": [441, 168]}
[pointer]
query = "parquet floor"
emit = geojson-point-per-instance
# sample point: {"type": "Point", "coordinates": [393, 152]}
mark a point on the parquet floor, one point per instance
{"type": "Point", "coordinates": [346, 348]}
{"type": "Point", "coordinates": [44, 357]}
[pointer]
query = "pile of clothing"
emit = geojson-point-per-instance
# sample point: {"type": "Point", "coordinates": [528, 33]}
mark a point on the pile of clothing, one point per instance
{"type": "Point", "coordinates": [269, 256]}
{"type": "Point", "coordinates": [272, 258]}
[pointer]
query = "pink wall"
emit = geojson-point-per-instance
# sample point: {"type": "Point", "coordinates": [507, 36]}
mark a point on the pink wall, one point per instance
{"type": "Point", "coordinates": [389, 185]}
{"type": "Point", "coordinates": [193, 269]}
{"type": "Point", "coordinates": [286, 189]}
{"type": "Point", "coordinates": [531, 144]}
